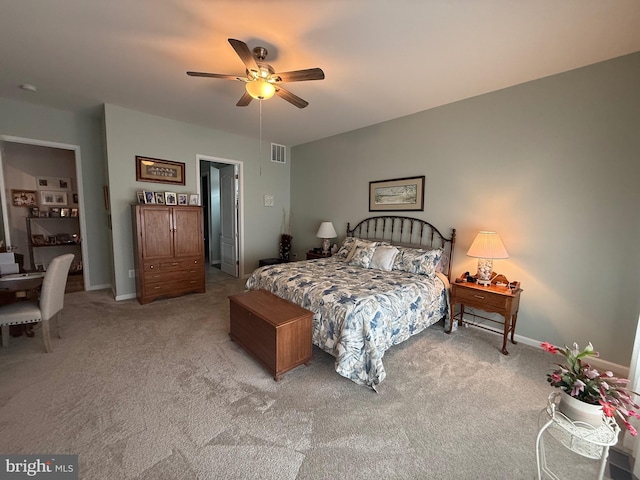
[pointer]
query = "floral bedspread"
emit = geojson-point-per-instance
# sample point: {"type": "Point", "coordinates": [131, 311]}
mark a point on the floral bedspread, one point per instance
{"type": "Point", "coordinates": [358, 313]}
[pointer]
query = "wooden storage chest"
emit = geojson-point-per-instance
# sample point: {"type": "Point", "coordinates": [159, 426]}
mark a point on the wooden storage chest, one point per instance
{"type": "Point", "coordinates": [275, 331]}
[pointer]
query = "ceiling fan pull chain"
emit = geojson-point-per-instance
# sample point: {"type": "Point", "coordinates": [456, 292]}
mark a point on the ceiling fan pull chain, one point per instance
{"type": "Point", "coordinates": [260, 137]}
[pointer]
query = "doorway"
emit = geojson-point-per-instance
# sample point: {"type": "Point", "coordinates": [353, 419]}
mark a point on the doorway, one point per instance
{"type": "Point", "coordinates": [221, 192]}
{"type": "Point", "coordinates": [46, 169]}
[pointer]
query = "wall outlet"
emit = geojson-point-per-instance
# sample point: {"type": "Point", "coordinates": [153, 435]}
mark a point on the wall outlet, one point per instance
{"type": "Point", "coordinates": [132, 274]}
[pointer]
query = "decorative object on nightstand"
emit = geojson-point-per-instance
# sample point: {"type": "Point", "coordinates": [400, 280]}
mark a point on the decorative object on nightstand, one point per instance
{"type": "Point", "coordinates": [326, 232]}
{"type": "Point", "coordinates": [317, 253]}
{"type": "Point", "coordinates": [486, 247]}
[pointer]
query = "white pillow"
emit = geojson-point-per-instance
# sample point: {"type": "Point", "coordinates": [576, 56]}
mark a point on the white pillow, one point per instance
{"type": "Point", "coordinates": [383, 258]}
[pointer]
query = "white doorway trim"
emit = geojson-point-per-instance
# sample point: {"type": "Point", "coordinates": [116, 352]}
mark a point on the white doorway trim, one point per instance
{"type": "Point", "coordinates": [82, 212]}
{"type": "Point", "coordinates": [240, 226]}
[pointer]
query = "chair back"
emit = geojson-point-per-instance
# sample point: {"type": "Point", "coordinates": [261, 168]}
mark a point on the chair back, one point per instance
{"type": "Point", "coordinates": [53, 286]}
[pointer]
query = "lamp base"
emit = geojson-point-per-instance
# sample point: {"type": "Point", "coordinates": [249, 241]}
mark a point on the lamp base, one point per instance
{"type": "Point", "coordinates": [326, 245]}
{"type": "Point", "coordinates": [485, 268]}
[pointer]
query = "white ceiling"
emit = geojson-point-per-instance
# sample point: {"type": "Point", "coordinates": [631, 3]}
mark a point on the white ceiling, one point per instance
{"type": "Point", "coordinates": [382, 59]}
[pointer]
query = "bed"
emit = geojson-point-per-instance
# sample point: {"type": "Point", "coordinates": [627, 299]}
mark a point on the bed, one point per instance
{"type": "Point", "coordinates": [387, 282]}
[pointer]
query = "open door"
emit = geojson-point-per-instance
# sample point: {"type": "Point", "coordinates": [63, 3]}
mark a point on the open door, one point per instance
{"type": "Point", "coordinates": [229, 220]}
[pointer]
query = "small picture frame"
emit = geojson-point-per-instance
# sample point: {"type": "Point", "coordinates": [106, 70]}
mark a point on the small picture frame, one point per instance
{"type": "Point", "coordinates": [74, 212]}
{"type": "Point", "coordinates": [160, 198]}
{"type": "Point", "coordinates": [65, 212]}
{"type": "Point", "coordinates": [34, 212]}
{"type": "Point", "coordinates": [37, 240]}
{"type": "Point", "coordinates": [54, 212]}
{"type": "Point", "coordinates": [52, 240]}
{"type": "Point", "coordinates": [149, 197]}
{"type": "Point", "coordinates": [170, 198]}
{"type": "Point", "coordinates": [140, 197]}
{"type": "Point", "coordinates": [43, 214]}
{"type": "Point", "coordinates": [24, 198]}
{"type": "Point", "coordinates": [183, 199]}
{"type": "Point", "coordinates": [48, 198]}
{"type": "Point", "coordinates": [193, 199]}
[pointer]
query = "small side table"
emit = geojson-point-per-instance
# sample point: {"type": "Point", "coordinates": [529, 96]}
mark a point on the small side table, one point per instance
{"type": "Point", "coordinates": [502, 300]}
{"type": "Point", "coordinates": [311, 255]}
{"type": "Point", "coordinates": [579, 437]}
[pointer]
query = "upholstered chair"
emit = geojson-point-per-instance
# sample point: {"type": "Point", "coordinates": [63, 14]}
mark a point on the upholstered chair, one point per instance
{"type": "Point", "coordinates": [49, 306]}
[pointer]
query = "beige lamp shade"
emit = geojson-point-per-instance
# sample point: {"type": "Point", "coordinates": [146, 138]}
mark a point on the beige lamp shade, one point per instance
{"type": "Point", "coordinates": [326, 230]}
{"type": "Point", "coordinates": [486, 247]}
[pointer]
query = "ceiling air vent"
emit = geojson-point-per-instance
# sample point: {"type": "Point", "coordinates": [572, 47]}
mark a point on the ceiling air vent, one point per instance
{"type": "Point", "coordinates": [278, 153]}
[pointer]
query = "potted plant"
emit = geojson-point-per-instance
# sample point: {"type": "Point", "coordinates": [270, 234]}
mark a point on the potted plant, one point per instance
{"type": "Point", "coordinates": [580, 382]}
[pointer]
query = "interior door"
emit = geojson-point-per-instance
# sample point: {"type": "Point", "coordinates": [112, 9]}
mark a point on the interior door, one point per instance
{"type": "Point", "coordinates": [229, 220]}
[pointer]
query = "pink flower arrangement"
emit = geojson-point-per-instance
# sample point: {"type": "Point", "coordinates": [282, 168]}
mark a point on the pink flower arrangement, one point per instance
{"type": "Point", "coordinates": [582, 381]}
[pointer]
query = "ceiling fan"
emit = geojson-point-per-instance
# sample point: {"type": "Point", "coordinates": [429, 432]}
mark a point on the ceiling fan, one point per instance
{"type": "Point", "coordinates": [262, 81]}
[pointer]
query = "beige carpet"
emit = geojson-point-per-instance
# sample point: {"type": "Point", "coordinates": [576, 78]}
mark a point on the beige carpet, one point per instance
{"type": "Point", "coordinates": [160, 392]}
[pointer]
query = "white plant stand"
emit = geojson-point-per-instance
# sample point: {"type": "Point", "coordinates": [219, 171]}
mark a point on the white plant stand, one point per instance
{"type": "Point", "coordinates": [579, 437]}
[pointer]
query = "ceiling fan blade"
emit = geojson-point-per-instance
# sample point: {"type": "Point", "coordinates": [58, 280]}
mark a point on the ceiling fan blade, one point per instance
{"type": "Point", "coordinates": [214, 75]}
{"type": "Point", "coordinates": [301, 75]}
{"type": "Point", "coordinates": [290, 97]}
{"type": "Point", "coordinates": [244, 100]}
{"type": "Point", "coordinates": [245, 54]}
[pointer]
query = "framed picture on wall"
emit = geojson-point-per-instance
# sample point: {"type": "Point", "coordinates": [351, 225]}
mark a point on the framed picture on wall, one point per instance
{"type": "Point", "coordinates": [397, 195]}
{"type": "Point", "coordinates": [53, 198]}
{"type": "Point", "coordinates": [24, 198]}
{"type": "Point", "coordinates": [159, 171]}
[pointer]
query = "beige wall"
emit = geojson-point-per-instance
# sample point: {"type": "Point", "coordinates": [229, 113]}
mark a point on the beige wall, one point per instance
{"type": "Point", "coordinates": [25, 120]}
{"type": "Point", "coordinates": [130, 133]}
{"type": "Point", "coordinates": [551, 165]}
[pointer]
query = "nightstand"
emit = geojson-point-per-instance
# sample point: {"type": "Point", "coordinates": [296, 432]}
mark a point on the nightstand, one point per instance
{"type": "Point", "coordinates": [312, 255]}
{"type": "Point", "coordinates": [502, 300]}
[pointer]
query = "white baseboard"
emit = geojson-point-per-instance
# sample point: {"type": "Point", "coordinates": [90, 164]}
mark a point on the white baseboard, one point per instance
{"type": "Point", "coordinates": [128, 296]}
{"type": "Point", "coordinates": [600, 363]}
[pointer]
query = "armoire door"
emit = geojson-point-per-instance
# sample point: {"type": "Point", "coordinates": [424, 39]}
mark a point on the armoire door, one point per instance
{"type": "Point", "coordinates": [156, 224]}
{"type": "Point", "coordinates": [188, 232]}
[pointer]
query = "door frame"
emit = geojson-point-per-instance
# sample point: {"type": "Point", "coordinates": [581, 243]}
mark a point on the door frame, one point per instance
{"type": "Point", "coordinates": [82, 211]}
{"type": "Point", "coordinates": [240, 223]}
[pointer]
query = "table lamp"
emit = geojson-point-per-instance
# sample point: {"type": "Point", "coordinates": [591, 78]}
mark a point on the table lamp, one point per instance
{"type": "Point", "coordinates": [325, 232]}
{"type": "Point", "coordinates": [485, 248]}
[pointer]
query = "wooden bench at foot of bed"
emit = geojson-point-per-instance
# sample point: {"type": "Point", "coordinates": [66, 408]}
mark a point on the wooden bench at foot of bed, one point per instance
{"type": "Point", "coordinates": [275, 331]}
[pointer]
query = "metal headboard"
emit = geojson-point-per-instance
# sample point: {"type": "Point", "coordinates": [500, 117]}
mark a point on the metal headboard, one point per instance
{"type": "Point", "coordinates": [405, 231]}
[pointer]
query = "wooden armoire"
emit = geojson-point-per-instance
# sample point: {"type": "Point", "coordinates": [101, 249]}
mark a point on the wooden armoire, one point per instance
{"type": "Point", "coordinates": [169, 251]}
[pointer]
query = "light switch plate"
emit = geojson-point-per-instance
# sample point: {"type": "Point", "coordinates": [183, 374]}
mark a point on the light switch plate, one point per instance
{"type": "Point", "coordinates": [269, 200]}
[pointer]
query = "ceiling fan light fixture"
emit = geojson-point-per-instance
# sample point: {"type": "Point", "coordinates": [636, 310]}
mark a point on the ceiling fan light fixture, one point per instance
{"type": "Point", "coordinates": [260, 89]}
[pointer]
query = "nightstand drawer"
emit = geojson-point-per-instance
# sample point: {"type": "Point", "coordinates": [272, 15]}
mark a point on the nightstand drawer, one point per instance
{"type": "Point", "coordinates": [479, 298]}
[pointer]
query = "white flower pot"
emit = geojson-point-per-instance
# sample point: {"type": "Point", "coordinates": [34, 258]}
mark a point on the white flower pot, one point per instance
{"type": "Point", "coordinates": [579, 411]}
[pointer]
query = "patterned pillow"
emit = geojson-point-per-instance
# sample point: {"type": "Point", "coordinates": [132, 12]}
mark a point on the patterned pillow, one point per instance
{"type": "Point", "coordinates": [360, 243]}
{"type": "Point", "coordinates": [362, 256]}
{"type": "Point", "coordinates": [412, 260]}
{"type": "Point", "coordinates": [346, 247]}
{"type": "Point", "coordinates": [383, 258]}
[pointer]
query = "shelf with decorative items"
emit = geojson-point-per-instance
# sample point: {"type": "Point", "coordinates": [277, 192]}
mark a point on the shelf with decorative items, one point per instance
{"type": "Point", "coordinates": [56, 234]}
